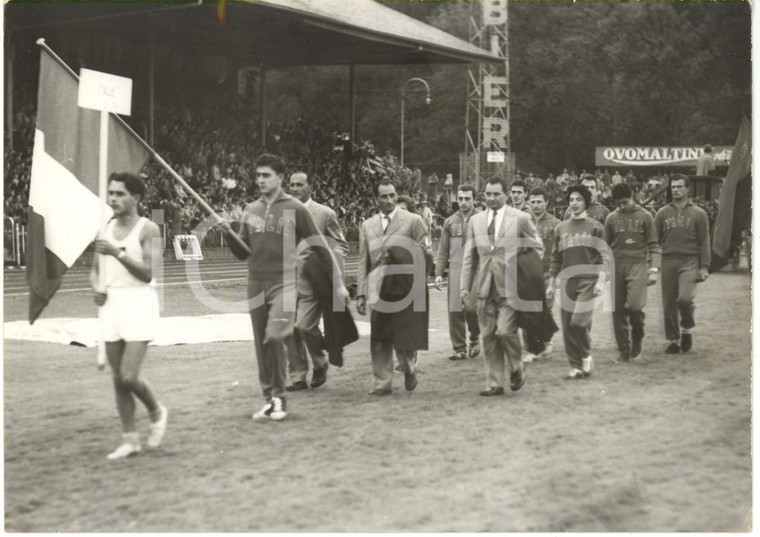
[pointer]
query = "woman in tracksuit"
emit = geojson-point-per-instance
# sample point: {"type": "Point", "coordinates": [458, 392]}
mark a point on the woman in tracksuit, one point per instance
{"type": "Point", "coordinates": [578, 241]}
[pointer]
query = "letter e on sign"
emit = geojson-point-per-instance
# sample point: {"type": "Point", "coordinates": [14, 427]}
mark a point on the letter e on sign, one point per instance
{"type": "Point", "coordinates": [102, 91]}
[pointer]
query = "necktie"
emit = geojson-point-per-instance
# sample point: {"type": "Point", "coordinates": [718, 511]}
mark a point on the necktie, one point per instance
{"type": "Point", "coordinates": [386, 222]}
{"type": "Point", "coordinates": [492, 226]}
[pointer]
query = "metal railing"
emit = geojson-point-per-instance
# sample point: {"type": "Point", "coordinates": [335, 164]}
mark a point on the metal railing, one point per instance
{"type": "Point", "coordinates": [18, 241]}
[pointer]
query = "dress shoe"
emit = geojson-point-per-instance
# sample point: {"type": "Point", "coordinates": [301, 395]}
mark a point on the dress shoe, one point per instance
{"type": "Point", "coordinates": [517, 379]}
{"type": "Point", "coordinates": [318, 377]}
{"type": "Point", "coordinates": [474, 350]}
{"type": "Point", "coordinates": [378, 391]}
{"type": "Point", "coordinates": [297, 386]}
{"type": "Point", "coordinates": [410, 381]}
{"type": "Point", "coordinates": [685, 342]}
{"type": "Point", "coordinates": [673, 348]}
{"type": "Point", "coordinates": [490, 392]}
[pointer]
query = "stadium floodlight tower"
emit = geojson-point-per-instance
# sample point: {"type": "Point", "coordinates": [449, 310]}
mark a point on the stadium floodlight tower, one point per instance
{"type": "Point", "coordinates": [487, 137]}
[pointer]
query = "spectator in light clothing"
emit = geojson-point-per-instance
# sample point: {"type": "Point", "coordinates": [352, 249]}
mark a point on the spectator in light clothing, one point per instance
{"type": "Point", "coordinates": [706, 162]}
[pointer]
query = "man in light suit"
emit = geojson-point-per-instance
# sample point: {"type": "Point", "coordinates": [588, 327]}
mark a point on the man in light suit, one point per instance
{"type": "Point", "coordinates": [493, 241]}
{"type": "Point", "coordinates": [396, 241]}
{"type": "Point", "coordinates": [309, 308]}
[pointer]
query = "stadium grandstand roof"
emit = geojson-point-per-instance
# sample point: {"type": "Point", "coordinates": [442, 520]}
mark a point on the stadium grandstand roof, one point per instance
{"type": "Point", "coordinates": [266, 33]}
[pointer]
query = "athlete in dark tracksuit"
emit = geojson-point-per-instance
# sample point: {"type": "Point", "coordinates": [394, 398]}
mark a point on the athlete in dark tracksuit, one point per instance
{"type": "Point", "coordinates": [630, 232]}
{"type": "Point", "coordinates": [684, 233]}
{"type": "Point", "coordinates": [578, 241]}
{"type": "Point", "coordinates": [271, 227]}
{"type": "Point", "coordinates": [450, 254]}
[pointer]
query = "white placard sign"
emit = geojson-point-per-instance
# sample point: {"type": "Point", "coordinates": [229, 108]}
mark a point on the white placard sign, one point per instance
{"type": "Point", "coordinates": [102, 91]}
{"type": "Point", "coordinates": [495, 156]}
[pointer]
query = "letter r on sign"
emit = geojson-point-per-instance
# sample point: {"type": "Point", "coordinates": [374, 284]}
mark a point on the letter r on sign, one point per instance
{"type": "Point", "coordinates": [495, 130]}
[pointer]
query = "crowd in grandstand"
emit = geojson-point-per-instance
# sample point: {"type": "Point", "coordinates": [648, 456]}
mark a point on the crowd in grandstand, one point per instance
{"type": "Point", "coordinates": [214, 148]}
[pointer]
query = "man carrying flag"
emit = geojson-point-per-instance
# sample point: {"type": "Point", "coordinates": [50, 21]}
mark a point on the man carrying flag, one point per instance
{"type": "Point", "coordinates": [129, 308]}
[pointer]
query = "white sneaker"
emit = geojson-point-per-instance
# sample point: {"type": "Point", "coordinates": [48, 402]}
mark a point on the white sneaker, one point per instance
{"type": "Point", "coordinates": [575, 374]}
{"type": "Point", "coordinates": [548, 348]}
{"type": "Point", "coordinates": [264, 413]}
{"type": "Point", "coordinates": [278, 409]}
{"type": "Point", "coordinates": [158, 428]}
{"type": "Point", "coordinates": [123, 451]}
{"type": "Point", "coordinates": [528, 358]}
{"type": "Point", "coordinates": [588, 366]}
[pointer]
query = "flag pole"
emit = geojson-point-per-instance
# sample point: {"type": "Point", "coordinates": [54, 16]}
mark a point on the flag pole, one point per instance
{"type": "Point", "coordinates": [103, 195]}
{"type": "Point", "coordinates": [206, 207]}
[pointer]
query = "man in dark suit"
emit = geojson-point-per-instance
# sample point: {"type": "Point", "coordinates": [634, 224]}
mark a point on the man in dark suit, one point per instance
{"type": "Point", "coordinates": [309, 309]}
{"type": "Point", "coordinates": [394, 252]}
{"type": "Point", "coordinates": [490, 263]}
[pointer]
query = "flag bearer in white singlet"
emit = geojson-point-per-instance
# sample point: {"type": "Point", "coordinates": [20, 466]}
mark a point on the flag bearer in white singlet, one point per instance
{"type": "Point", "coordinates": [130, 308]}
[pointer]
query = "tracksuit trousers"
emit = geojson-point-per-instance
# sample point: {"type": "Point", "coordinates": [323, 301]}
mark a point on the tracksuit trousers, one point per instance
{"type": "Point", "coordinates": [460, 322]}
{"type": "Point", "coordinates": [272, 327]}
{"type": "Point", "coordinates": [679, 288]}
{"type": "Point", "coordinates": [576, 324]}
{"type": "Point", "coordinates": [630, 298]}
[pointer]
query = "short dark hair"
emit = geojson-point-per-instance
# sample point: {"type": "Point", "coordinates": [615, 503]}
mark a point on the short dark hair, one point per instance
{"type": "Point", "coordinates": [518, 183]}
{"type": "Point", "coordinates": [273, 161]}
{"type": "Point", "coordinates": [411, 206]}
{"type": "Point", "coordinates": [708, 148]}
{"type": "Point", "coordinates": [467, 187]}
{"type": "Point", "coordinates": [681, 177]}
{"type": "Point", "coordinates": [384, 181]}
{"type": "Point", "coordinates": [301, 172]}
{"type": "Point", "coordinates": [580, 189]}
{"type": "Point", "coordinates": [133, 183]}
{"type": "Point", "coordinates": [589, 177]}
{"type": "Point", "coordinates": [496, 180]}
{"type": "Point", "coordinates": [621, 191]}
{"type": "Point", "coordinates": [538, 191]}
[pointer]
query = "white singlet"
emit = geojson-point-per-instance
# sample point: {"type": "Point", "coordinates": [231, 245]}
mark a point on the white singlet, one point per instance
{"type": "Point", "coordinates": [131, 309]}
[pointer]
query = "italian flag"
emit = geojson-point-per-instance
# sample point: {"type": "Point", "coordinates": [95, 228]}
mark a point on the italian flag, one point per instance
{"type": "Point", "coordinates": [735, 205]}
{"type": "Point", "coordinates": [64, 214]}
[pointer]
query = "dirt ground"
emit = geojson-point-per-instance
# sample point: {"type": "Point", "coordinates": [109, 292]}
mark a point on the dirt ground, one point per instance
{"type": "Point", "coordinates": [659, 444]}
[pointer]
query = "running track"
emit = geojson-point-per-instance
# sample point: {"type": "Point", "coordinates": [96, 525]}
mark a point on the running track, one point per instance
{"type": "Point", "coordinates": [175, 273]}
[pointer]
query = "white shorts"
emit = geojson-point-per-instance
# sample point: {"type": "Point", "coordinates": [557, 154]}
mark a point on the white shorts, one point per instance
{"type": "Point", "coordinates": [129, 314]}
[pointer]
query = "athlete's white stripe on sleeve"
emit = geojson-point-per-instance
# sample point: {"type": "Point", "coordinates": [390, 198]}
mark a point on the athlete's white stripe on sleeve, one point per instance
{"type": "Point", "coordinates": [71, 210]}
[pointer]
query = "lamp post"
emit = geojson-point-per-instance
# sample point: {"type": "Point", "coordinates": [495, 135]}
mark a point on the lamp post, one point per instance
{"type": "Point", "coordinates": [427, 101]}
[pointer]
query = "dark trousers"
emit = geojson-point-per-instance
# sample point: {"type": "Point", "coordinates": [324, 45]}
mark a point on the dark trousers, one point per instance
{"type": "Point", "coordinates": [460, 322]}
{"type": "Point", "coordinates": [576, 325]}
{"type": "Point", "coordinates": [679, 288]}
{"type": "Point", "coordinates": [272, 326]}
{"type": "Point", "coordinates": [630, 299]}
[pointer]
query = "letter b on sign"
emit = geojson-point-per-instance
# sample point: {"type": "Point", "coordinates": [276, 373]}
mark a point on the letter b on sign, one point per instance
{"type": "Point", "coordinates": [494, 12]}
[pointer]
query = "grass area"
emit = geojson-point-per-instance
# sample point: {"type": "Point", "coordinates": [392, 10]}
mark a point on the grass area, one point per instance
{"type": "Point", "coordinates": [660, 444]}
